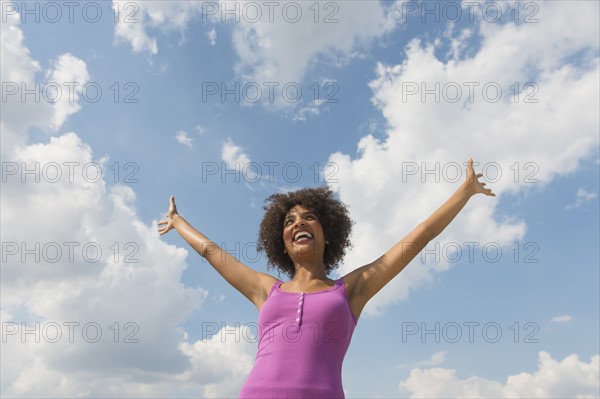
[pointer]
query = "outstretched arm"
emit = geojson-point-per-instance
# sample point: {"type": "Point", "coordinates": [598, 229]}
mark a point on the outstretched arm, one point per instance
{"type": "Point", "coordinates": [367, 280]}
{"type": "Point", "coordinates": [252, 284]}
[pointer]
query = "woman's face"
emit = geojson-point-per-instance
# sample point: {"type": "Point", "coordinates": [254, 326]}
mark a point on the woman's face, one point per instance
{"type": "Point", "coordinates": [303, 233]}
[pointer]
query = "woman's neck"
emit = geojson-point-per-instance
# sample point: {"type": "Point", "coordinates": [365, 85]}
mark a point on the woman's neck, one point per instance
{"type": "Point", "coordinates": [309, 273]}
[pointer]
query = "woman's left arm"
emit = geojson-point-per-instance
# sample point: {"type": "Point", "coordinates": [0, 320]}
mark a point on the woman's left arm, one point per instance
{"type": "Point", "coordinates": [367, 280]}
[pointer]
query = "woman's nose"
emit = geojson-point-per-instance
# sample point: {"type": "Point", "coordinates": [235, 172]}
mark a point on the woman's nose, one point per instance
{"type": "Point", "coordinates": [299, 222]}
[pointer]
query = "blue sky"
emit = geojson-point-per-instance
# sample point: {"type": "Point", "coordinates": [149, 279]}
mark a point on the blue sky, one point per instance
{"type": "Point", "coordinates": [403, 88]}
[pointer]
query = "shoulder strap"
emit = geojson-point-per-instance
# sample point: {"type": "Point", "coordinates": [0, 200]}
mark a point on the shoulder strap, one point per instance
{"type": "Point", "coordinates": [277, 283]}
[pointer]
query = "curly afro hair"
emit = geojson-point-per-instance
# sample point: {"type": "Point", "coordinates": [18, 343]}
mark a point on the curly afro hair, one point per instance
{"type": "Point", "coordinates": [332, 213]}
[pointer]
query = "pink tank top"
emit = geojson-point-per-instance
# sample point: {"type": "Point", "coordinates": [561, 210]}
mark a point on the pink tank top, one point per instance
{"type": "Point", "coordinates": [302, 341]}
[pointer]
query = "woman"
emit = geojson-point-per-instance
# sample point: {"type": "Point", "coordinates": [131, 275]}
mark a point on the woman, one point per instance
{"type": "Point", "coordinates": [306, 323]}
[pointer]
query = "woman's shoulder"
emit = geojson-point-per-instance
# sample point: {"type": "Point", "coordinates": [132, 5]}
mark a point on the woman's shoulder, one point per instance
{"type": "Point", "coordinates": [267, 281]}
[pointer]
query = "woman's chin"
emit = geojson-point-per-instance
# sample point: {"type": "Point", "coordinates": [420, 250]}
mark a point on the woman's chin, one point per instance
{"type": "Point", "coordinates": [303, 246]}
{"type": "Point", "coordinates": [305, 250]}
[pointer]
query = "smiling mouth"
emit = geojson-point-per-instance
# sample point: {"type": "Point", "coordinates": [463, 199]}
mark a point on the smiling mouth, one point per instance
{"type": "Point", "coordinates": [302, 237]}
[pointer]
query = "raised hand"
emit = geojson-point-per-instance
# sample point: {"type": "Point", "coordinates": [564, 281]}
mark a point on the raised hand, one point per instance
{"type": "Point", "coordinates": [170, 216]}
{"type": "Point", "coordinates": [472, 182]}
{"type": "Point", "coordinates": [252, 284]}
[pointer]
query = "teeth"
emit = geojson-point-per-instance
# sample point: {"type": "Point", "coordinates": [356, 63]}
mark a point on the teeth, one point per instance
{"type": "Point", "coordinates": [302, 234]}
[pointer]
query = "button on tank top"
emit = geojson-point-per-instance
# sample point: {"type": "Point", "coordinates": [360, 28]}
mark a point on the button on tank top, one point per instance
{"type": "Point", "coordinates": [302, 341]}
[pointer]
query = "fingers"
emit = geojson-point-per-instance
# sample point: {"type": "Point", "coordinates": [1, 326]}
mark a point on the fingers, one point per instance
{"type": "Point", "coordinates": [163, 230]}
{"type": "Point", "coordinates": [165, 222]}
{"type": "Point", "coordinates": [470, 172]}
{"type": "Point", "coordinates": [472, 176]}
{"type": "Point", "coordinates": [172, 206]}
{"type": "Point", "coordinates": [488, 191]}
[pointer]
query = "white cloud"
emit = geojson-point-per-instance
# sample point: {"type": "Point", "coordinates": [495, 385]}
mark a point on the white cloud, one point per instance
{"type": "Point", "coordinates": [217, 368]}
{"type": "Point", "coordinates": [126, 285]}
{"type": "Point", "coordinates": [236, 159]}
{"type": "Point", "coordinates": [234, 155]}
{"type": "Point", "coordinates": [561, 319]}
{"type": "Point", "coordinates": [250, 172]}
{"type": "Point", "coordinates": [387, 186]}
{"type": "Point", "coordinates": [569, 378]}
{"type": "Point", "coordinates": [275, 42]}
{"type": "Point", "coordinates": [212, 36]}
{"type": "Point", "coordinates": [183, 138]}
{"type": "Point", "coordinates": [283, 51]}
{"type": "Point", "coordinates": [305, 113]}
{"type": "Point", "coordinates": [582, 196]}
{"type": "Point", "coordinates": [200, 130]}
{"type": "Point", "coordinates": [222, 363]}
{"type": "Point", "coordinates": [56, 97]}
{"type": "Point", "coordinates": [135, 19]}
{"type": "Point", "coordinates": [435, 359]}
{"type": "Point", "coordinates": [68, 71]}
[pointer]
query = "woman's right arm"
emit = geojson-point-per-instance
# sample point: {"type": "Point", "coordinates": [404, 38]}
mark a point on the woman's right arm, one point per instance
{"type": "Point", "coordinates": [252, 284]}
